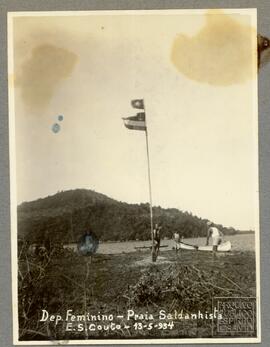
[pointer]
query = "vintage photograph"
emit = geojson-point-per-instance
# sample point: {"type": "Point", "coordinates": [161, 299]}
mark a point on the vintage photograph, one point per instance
{"type": "Point", "coordinates": [134, 176]}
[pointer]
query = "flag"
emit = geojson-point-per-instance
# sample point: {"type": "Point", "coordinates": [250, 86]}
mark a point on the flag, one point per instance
{"type": "Point", "coordinates": [136, 122]}
{"type": "Point", "coordinates": [138, 103]}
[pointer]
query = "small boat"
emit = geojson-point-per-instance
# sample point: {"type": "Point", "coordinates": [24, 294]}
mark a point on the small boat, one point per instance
{"type": "Point", "coordinates": [223, 247]}
{"type": "Point", "coordinates": [149, 247]}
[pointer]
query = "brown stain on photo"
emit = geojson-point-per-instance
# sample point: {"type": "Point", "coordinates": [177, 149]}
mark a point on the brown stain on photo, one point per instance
{"type": "Point", "coordinates": [40, 75]}
{"type": "Point", "coordinates": [221, 54]}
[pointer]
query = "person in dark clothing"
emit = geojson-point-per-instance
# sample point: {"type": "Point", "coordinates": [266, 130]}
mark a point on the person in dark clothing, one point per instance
{"type": "Point", "coordinates": [156, 238]}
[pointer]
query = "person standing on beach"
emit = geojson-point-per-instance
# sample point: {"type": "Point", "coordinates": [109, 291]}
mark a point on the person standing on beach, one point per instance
{"type": "Point", "coordinates": [156, 238]}
{"type": "Point", "coordinates": [176, 238]}
{"type": "Point", "coordinates": [215, 234]}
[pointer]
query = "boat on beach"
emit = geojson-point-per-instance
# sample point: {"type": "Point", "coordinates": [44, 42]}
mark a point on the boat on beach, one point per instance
{"type": "Point", "coordinates": [223, 247]}
{"type": "Point", "coordinates": [149, 247]}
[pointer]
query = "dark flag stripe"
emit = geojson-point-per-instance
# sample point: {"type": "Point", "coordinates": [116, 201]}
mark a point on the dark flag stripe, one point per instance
{"type": "Point", "coordinates": [130, 123]}
{"type": "Point", "coordinates": [135, 127]}
{"type": "Point", "coordinates": [140, 117]}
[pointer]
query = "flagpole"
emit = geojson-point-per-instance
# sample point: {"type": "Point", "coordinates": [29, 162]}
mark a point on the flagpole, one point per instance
{"type": "Point", "coordinates": [138, 122]}
{"type": "Point", "coordinates": [150, 188]}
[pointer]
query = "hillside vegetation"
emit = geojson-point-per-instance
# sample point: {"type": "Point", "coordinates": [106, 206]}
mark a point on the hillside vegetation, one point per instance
{"type": "Point", "coordinates": [65, 216]}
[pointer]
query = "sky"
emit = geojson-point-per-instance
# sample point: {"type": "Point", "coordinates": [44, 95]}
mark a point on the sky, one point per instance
{"type": "Point", "coordinates": [196, 72]}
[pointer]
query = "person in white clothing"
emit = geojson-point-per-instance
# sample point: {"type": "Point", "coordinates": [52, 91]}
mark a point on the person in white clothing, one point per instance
{"type": "Point", "coordinates": [215, 234]}
{"type": "Point", "coordinates": [176, 238]}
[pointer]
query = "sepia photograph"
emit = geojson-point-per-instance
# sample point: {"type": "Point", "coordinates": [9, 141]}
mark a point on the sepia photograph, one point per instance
{"type": "Point", "coordinates": [134, 176]}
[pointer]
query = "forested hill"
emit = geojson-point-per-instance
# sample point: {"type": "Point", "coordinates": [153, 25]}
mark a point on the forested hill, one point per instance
{"type": "Point", "coordinates": [65, 216]}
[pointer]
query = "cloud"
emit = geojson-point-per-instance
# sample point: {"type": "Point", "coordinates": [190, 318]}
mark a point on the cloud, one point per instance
{"type": "Point", "coordinates": [40, 75]}
{"type": "Point", "coordinates": [222, 53]}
